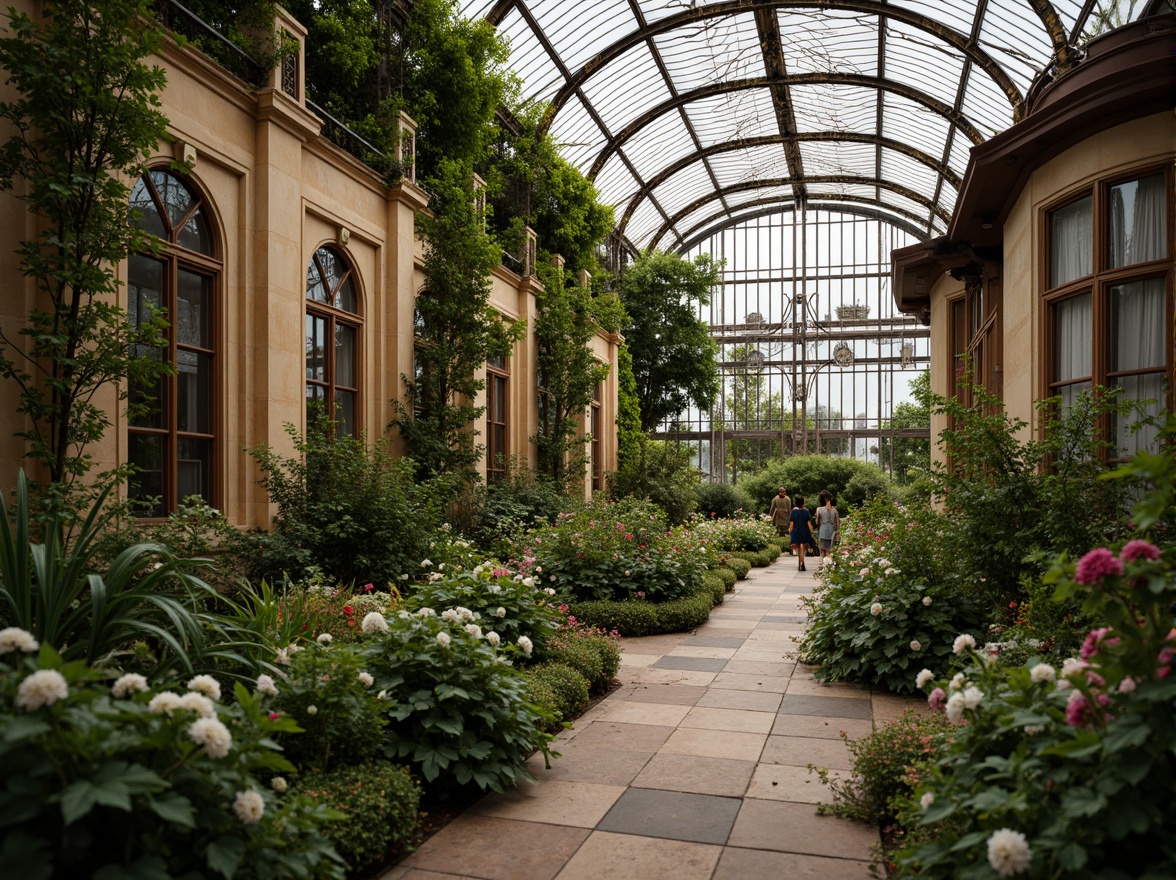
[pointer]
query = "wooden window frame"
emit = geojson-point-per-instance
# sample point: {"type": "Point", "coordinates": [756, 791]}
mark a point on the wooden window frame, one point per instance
{"type": "Point", "coordinates": [333, 318]}
{"type": "Point", "coordinates": [497, 383]}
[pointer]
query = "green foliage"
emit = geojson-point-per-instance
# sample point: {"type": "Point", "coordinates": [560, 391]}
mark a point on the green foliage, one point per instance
{"type": "Point", "coordinates": [629, 434]}
{"type": "Point", "coordinates": [663, 473]}
{"type": "Point", "coordinates": [380, 801]}
{"type": "Point", "coordinates": [727, 576]}
{"type": "Point", "coordinates": [146, 603]}
{"type": "Point", "coordinates": [456, 711]}
{"type": "Point", "coordinates": [614, 550]}
{"type": "Point", "coordinates": [888, 602]}
{"type": "Point", "coordinates": [456, 330]}
{"type": "Point", "coordinates": [851, 481]}
{"type": "Point", "coordinates": [85, 119]}
{"type": "Point", "coordinates": [594, 653]}
{"type": "Point", "coordinates": [345, 507]}
{"type": "Point", "coordinates": [520, 500]}
{"type": "Point", "coordinates": [322, 687]}
{"type": "Point", "coordinates": [566, 687]}
{"type": "Point", "coordinates": [885, 763]}
{"type": "Point", "coordinates": [740, 566]}
{"type": "Point", "coordinates": [675, 364]}
{"type": "Point", "coordinates": [130, 786]}
{"type": "Point", "coordinates": [739, 532]}
{"type": "Point", "coordinates": [721, 500]}
{"type": "Point", "coordinates": [716, 585]}
{"type": "Point", "coordinates": [636, 617]}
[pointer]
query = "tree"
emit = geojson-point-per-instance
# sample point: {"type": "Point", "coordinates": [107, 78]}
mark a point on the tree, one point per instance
{"type": "Point", "coordinates": [910, 454]}
{"type": "Point", "coordinates": [86, 119]}
{"type": "Point", "coordinates": [674, 357]}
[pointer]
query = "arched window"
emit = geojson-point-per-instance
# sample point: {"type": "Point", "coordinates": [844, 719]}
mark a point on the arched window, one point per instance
{"type": "Point", "coordinates": [171, 436]}
{"type": "Point", "coordinates": [332, 340]}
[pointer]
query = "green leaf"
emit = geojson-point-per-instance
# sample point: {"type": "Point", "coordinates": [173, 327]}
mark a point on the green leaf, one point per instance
{"type": "Point", "coordinates": [224, 855]}
{"type": "Point", "coordinates": [24, 727]}
{"type": "Point", "coordinates": [174, 808]}
{"type": "Point", "coordinates": [1072, 857]}
{"type": "Point", "coordinates": [77, 800]}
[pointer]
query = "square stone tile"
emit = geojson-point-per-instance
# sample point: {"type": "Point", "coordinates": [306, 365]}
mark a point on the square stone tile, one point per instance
{"type": "Point", "coordinates": [785, 618]}
{"type": "Point", "coordinates": [821, 726]}
{"type": "Point", "coordinates": [755, 864]}
{"type": "Point", "coordinates": [624, 737]}
{"type": "Point", "coordinates": [715, 744]}
{"type": "Point", "coordinates": [800, 751]}
{"type": "Point", "coordinates": [730, 628]}
{"type": "Point", "coordinates": [643, 712]}
{"type": "Point", "coordinates": [741, 681]}
{"type": "Point", "coordinates": [649, 812]}
{"type": "Point", "coordinates": [726, 777]}
{"type": "Point", "coordinates": [830, 707]}
{"type": "Point", "coordinates": [606, 854]}
{"type": "Point", "coordinates": [755, 701]}
{"type": "Point", "coordinates": [652, 692]}
{"type": "Point", "coordinates": [743, 720]}
{"type": "Point", "coordinates": [578, 763]}
{"type": "Point", "coordinates": [498, 849]}
{"type": "Point", "coordinates": [782, 782]}
{"type": "Point", "coordinates": [786, 626]}
{"type": "Point", "coordinates": [777, 667]}
{"type": "Point", "coordinates": [888, 707]}
{"type": "Point", "coordinates": [638, 659]}
{"type": "Point", "coordinates": [401, 872]}
{"type": "Point", "coordinates": [699, 664]}
{"type": "Point", "coordinates": [657, 675]}
{"type": "Point", "coordinates": [714, 641]}
{"type": "Point", "coordinates": [695, 651]}
{"type": "Point", "coordinates": [558, 802]}
{"type": "Point", "coordinates": [652, 644]}
{"type": "Point", "coordinates": [804, 685]}
{"type": "Point", "coordinates": [797, 828]}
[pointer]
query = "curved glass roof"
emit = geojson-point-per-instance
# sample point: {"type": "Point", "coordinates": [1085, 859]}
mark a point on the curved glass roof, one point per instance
{"type": "Point", "coordinates": [689, 115]}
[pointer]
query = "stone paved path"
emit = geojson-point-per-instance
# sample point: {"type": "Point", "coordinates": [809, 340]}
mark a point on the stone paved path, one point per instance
{"type": "Point", "coordinates": [695, 769]}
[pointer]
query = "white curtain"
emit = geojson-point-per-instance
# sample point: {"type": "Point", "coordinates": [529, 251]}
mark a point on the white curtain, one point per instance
{"type": "Point", "coordinates": [1137, 343]}
{"type": "Point", "coordinates": [1072, 334]}
{"type": "Point", "coordinates": [1071, 243]}
{"type": "Point", "coordinates": [1138, 221]}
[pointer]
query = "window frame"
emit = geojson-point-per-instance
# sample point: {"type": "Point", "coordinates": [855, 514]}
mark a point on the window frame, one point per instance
{"type": "Point", "coordinates": [334, 316]}
{"type": "Point", "coordinates": [497, 384]}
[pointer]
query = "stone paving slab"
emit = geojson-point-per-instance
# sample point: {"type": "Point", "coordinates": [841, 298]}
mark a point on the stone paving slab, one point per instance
{"type": "Point", "coordinates": [505, 849]}
{"type": "Point", "coordinates": [699, 818]}
{"type": "Point", "coordinates": [726, 777]}
{"type": "Point", "coordinates": [606, 854]}
{"type": "Point", "coordinates": [835, 707]}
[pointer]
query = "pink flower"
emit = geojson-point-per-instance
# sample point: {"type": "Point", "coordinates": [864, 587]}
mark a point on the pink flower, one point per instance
{"type": "Point", "coordinates": [1096, 565]}
{"type": "Point", "coordinates": [1076, 709]}
{"type": "Point", "coordinates": [1164, 663]}
{"type": "Point", "coordinates": [936, 699]}
{"type": "Point", "coordinates": [571, 618]}
{"type": "Point", "coordinates": [1139, 549]}
{"type": "Point", "coordinates": [1094, 639]}
{"type": "Point", "coordinates": [367, 588]}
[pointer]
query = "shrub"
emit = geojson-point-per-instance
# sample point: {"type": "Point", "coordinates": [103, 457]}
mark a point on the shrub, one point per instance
{"type": "Point", "coordinates": [617, 550]}
{"type": "Point", "coordinates": [754, 558]}
{"type": "Point", "coordinates": [737, 564]}
{"type": "Point", "coordinates": [521, 500]}
{"type": "Point", "coordinates": [455, 710]}
{"type": "Point", "coordinates": [142, 784]}
{"type": "Point", "coordinates": [380, 801]}
{"type": "Point", "coordinates": [807, 475]}
{"type": "Point", "coordinates": [662, 473]}
{"type": "Point", "coordinates": [594, 653]}
{"type": "Point", "coordinates": [568, 688]}
{"type": "Point", "coordinates": [885, 606]}
{"type": "Point", "coordinates": [636, 618]}
{"type": "Point", "coordinates": [726, 576]}
{"type": "Point", "coordinates": [322, 687]}
{"type": "Point", "coordinates": [882, 767]}
{"type": "Point", "coordinates": [720, 500]}
{"type": "Point", "coordinates": [735, 534]}
{"type": "Point", "coordinates": [716, 585]}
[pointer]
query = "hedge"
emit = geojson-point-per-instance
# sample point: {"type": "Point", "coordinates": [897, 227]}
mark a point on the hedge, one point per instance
{"type": "Point", "coordinates": [633, 617]}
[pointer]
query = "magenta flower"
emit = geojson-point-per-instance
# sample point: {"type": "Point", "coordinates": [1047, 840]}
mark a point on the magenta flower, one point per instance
{"type": "Point", "coordinates": [1139, 549]}
{"type": "Point", "coordinates": [1094, 640]}
{"type": "Point", "coordinates": [936, 699]}
{"type": "Point", "coordinates": [1097, 564]}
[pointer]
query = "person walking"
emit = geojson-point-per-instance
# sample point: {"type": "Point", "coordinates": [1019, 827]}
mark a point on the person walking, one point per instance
{"type": "Point", "coordinates": [780, 510]}
{"type": "Point", "coordinates": [828, 525]}
{"type": "Point", "coordinates": [801, 535]}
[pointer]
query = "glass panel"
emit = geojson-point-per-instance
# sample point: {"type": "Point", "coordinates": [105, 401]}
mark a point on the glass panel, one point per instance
{"type": "Point", "coordinates": [496, 361]}
{"type": "Point", "coordinates": [177, 201]}
{"type": "Point", "coordinates": [345, 355]}
{"type": "Point", "coordinates": [193, 392]}
{"type": "Point", "coordinates": [314, 283]}
{"type": "Point", "coordinates": [345, 412]}
{"type": "Point", "coordinates": [195, 235]}
{"type": "Point", "coordinates": [316, 358]}
{"type": "Point", "coordinates": [1072, 340]}
{"type": "Point", "coordinates": [148, 219]}
{"type": "Point", "coordinates": [1071, 243]}
{"type": "Point", "coordinates": [499, 399]}
{"type": "Point", "coordinates": [1138, 222]}
{"type": "Point", "coordinates": [333, 267]}
{"type": "Point", "coordinates": [144, 288]}
{"type": "Point", "coordinates": [498, 445]}
{"type": "Point", "coordinates": [1137, 325]}
{"type": "Point", "coordinates": [1069, 393]}
{"type": "Point", "coordinates": [345, 296]}
{"type": "Point", "coordinates": [192, 307]}
{"type": "Point", "coordinates": [145, 454]}
{"type": "Point", "coordinates": [1148, 391]}
{"type": "Point", "coordinates": [147, 395]}
{"type": "Point", "coordinates": [194, 468]}
{"type": "Point", "coordinates": [316, 400]}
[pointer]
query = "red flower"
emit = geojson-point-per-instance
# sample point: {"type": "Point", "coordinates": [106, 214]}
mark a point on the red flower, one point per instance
{"type": "Point", "coordinates": [348, 610]}
{"type": "Point", "coordinates": [1012, 604]}
{"type": "Point", "coordinates": [351, 621]}
{"type": "Point", "coordinates": [274, 716]}
{"type": "Point", "coordinates": [368, 587]}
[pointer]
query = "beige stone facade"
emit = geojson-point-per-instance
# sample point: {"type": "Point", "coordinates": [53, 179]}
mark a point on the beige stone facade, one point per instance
{"type": "Point", "coordinates": [274, 191]}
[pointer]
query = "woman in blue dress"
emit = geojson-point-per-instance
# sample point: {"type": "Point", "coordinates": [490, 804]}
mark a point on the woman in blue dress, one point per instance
{"type": "Point", "coordinates": [801, 535]}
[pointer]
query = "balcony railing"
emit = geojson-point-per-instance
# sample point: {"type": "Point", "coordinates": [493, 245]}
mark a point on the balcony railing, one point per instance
{"type": "Point", "coordinates": [181, 21]}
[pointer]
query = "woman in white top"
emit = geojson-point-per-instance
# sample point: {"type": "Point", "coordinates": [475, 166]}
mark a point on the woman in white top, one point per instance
{"type": "Point", "coordinates": [828, 524]}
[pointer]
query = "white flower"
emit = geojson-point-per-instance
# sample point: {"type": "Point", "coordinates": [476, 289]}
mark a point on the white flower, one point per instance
{"type": "Point", "coordinates": [213, 735]}
{"type": "Point", "coordinates": [199, 704]}
{"type": "Point", "coordinates": [916, 645]}
{"type": "Point", "coordinates": [449, 615]}
{"type": "Point", "coordinates": [441, 567]}
{"type": "Point", "coordinates": [279, 784]}
{"type": "Point", "coordinates": [1043, 672]}
{"type": "Point", "coordinates": [962, 643]}
{"type": "Point", "coordinates": [425, 563]}
{"type": "Point", "coordinates": [549, 591]}
{"type": "Point", "coordinates": [282, 658]}
{"type": "Point", "coordinates": [43, 688]}
{"type": "Point", "coordinates": [926, 800]}
{"type": "Point", "coordinates": [128, 684]}
{"type": "Point", "coordinates": [525, 644]}
{"type": "Point", "coordinates": [266, 686]}
{"type": "Point", "coordinates": [500, 611]}
{"type": "Point", "coordinates": [923, 677]}
{"type": "Point", "coordinates": [957, 681]}
{"type": "Point", "coordinates": [325, 638]}
{"type": "Point", "coordinates": [955, 708]}
{"type": "Point", "coordinates": [926, 600]}
{"type": "Point", "coordinates": [365, 678]}
{"type": "Point", "coordinates": [478, 569]}
{"type": "Point", "coordinates": [426, 612]}
{"type": "Point", "coordinates": [538, 569]}
{"type": "Point", "coordinates": [973, 696]}
{"type": "Point", "coordinates": [493, 638]}
{"type": "Point", "coordinates": [1033, 729]}
{"type": "Point", "coordinates": [552, 578]}
{"type": "Point", "coordinates": [1008, 852]}
{"type": "Point", "coordinates": [1127, 685]}
{"type": "Point", "coordinates": [865, 572]}
{"type": "Point", "coordinates": [381, 696]}
{"type": "Point", "coordinates": [474, 630]}
{"type": "Point", "coordinates": [443, 639]}
{"type": "Point", "coordinates": [249, 806]}
{"type": "Point", "coordinates": [374, 622]}
{"type": "Point", "coordinates": [528, 582]}
{"type": "Point", "coordinates": [890, 571]}
{"type": "Point", "coordinates": [13, 638]}
{"type": "Point", "coordinates": [164, 703]}
{"type": "Point", "coordinates": [1072, 665]}
{"type": "Point", "coordinates": [207, 685]}
{"type": "Point", "coordinates": [494, 589]}
{"type": "Point", "coordinates": [312, 709]}
{"type": "Point", "coordinates": [876, 609]}
{"type": "Point", "coordinates": [466, 614]}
